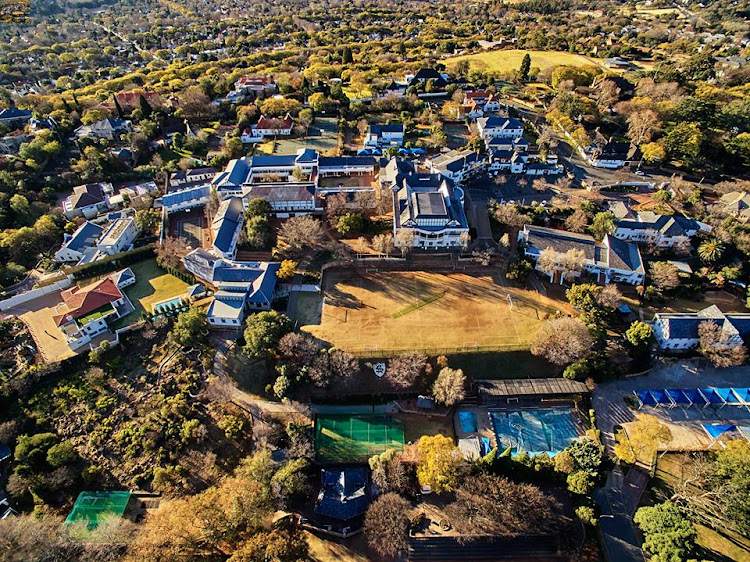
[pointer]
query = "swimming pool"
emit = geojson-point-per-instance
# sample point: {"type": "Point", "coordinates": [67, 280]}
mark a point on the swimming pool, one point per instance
{"type": "Point", "coordinates": [165, 306]}
{"type": "Point", "coordinates": [468, 421]}
{"type": "Point", "coordinates": [534, 431]}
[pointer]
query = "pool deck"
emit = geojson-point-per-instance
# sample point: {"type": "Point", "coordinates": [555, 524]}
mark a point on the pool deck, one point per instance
{"type": "Point", "coordinates": [485, 427]}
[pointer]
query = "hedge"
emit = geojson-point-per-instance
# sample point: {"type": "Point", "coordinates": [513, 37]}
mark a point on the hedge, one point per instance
{"type": "Point", "coordinates": [112, 263]}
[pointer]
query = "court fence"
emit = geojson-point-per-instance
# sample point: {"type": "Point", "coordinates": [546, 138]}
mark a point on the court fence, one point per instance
{"type": "Point", "coordinates": [384, 353]}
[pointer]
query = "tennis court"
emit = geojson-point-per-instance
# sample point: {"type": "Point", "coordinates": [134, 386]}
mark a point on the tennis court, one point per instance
{"type": "Point", "coordinates": [356, 438]}
{"type": "Point", "coordinates": [92, 507]}
{"type": "Point", "coordinates": [190, 225]}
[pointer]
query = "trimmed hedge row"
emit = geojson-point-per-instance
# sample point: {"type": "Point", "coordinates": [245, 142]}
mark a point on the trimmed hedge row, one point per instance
{"type": "Point", "coordinates": [112, 263]}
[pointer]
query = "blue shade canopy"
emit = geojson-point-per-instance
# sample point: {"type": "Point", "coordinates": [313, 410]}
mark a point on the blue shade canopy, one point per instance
{"type": "Point", "coordinates": [742, 395]}
{"type": "Point", "coordinates": [695, 396]}
{"type": "Point", "coordinates": [726, 394]}
{"type": "Point", "coordinates": [712, 396]}
{"type": "Point", "coordinates": [716, 430]}
{"type": "Point", "coordinates": [645, 397]}
{"type": "Point", "coordinates": [677, 395]}
{"type": "Point", "coordinates": [661, 397]}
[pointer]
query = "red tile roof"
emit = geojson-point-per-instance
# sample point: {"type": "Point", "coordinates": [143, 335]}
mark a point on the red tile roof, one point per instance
{"type": "Point", "coordinates": [78, 302]}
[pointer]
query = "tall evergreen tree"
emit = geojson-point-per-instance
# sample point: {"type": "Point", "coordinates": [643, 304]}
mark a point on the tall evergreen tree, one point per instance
{"type": "Point", "coordinates": [525, 67]}
{"type": "Point", "coordinates": [146, 108]}
{"type": "Point", "coordinates": [118, 107]}
{"type": "Point", "coordinates": [347, 57]}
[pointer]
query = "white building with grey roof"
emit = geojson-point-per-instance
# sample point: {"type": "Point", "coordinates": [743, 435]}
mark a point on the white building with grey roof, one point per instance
{"type": "Point", "coordinates": [610, 261]}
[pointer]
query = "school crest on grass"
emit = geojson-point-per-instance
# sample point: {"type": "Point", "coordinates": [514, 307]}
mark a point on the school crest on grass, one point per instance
{"type": "Point", "coordinates": [379, 369]}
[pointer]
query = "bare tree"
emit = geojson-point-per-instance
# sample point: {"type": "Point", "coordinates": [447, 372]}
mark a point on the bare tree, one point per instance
{"type": "Point", "coordinates": [387, 524]}
{"type": "Point", "coordinates": [493, 505]}
{"type": "Point", "coordinates": [298, 349]}
{"type": "Point", "coordinates": [389, 472]}
{"type": "Point", "coordinates": [450, 386]}
{"type": "Point", "coordinates": [566, 263]}
{"type": "Point", "coordinates": [607, 93]}
{"type": "Point", "coordinates": [383, 243]}
{"type": "Point", "coordinates": [540, 184]}
{"type": "Point", "coordinates": [665, 276]}
{"type": "Point", "coordinates": [643, 125]}
{"type": "Point", "coordinates": [563, 341]}
{"type": "Point", "coordinates": [404, 370]}
{"type": "Point", "coordinates": [301, 232]}
{"type": "Point", "coordinates": [719, 346]}
{"type": "Point", "coordinates": [171, 251]}
{"type": "Point", "coordinates": [405, 240]}
{"type": "Point", "coordinates": [509, 214]}
{"type": "Point", "coordinates": [336, 205]}
{"type": "Point", "coordinates": [609, 297]}
{"type": "Point", "coordinates": [577, 222]}
{"type": "Point", "coordinates": [464, 239]}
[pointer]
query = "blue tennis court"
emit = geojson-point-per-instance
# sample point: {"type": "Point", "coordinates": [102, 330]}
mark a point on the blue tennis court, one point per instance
{"type": "Point", "coordinates": [534, 431]}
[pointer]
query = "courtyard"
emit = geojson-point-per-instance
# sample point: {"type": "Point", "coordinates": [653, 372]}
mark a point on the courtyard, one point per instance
{"type": "Point", "coordinates": [393, 312]}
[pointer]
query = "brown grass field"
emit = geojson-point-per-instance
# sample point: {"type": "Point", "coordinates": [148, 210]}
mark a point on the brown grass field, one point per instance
{"type": "Point", "coordinates": [469, 311]}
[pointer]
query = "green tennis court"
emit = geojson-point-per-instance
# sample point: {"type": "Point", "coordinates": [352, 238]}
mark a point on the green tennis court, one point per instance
{"type": "Point", "coordinates": [355, 438]}
{"type": "Point", "coordinates": [91, 507]}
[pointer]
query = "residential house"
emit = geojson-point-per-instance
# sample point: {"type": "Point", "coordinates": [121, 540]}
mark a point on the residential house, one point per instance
{"type": "Point", "coordinates": [432, 208]}
{"type": "Point", "coordinates": [86, 311]}
{"type": "Point", "coordinates": [679, 330]}
{"type": "Point", "coordinates": [610, 261]}
{"type": "Point", "coordinates": [384, 136]}
{"type": "Point", "coordinates": [259, 86]}
{"type": "Point", "coordinates": [77, 244]}
{"type": "Point", "coordinates": [478, 104]}
{"type": "Point", "coordinates": [424, 75]}
{"type": "Point", "coordinates": [109, 129]}
{"type": "Point", "coordinates": [458, 165]}
{"type": "Point", "coordinates": [268, 127]}
{"type": "Point", "coordinates": [543, 169]}
{"type": "Point", "coordinates": [736, 203]}
{"type": "Point", "coordinates": [343, 493]}
{"type": "Point", "coordinates": [611, 155]}
{"type": "Point", "coordinates": [11, 142]}
{"type": "Point", "coordinates": [132, 99]}
{"type": "Point", "coordinates": [502, 127]}
{"type": "Point", "coordinates": [14, 117]}
{"type": "Point", "coordinates": [185, 178]}
{"type": "Point", "coordinates": [512, 161]}
{"type": "Point", "coordinates": [118, 237]}
{"type": "Point", "coordinates": [664, 231]}
{"type": "Point", "coordinates": [226, 227]}
{"type": "Point", "coordinates": [241, 286]}
{"type": "Point", "coordinates": [87, 200]}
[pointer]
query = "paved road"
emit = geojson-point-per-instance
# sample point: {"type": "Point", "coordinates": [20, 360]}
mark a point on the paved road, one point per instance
{"type": "Point", "coordinates": [619, 538]}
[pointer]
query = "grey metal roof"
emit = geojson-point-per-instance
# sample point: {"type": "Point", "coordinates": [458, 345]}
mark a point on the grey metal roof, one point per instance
{"type": "Point", "coordinates": [227, 222]}
{"type": "Point", "coordinates": [85, 237]}
{"type": "Point", "coordinates": [489, 389]}
{"type": "Point", "coordinates": [342, 493]}
{"type": "Point", "coordinates": [430, 204]}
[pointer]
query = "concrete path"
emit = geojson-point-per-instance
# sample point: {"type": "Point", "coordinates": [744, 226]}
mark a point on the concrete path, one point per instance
{"type": "Point", "coordinates": [619, 538]}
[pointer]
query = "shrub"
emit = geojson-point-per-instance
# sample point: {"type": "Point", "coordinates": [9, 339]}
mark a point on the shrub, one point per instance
{"type": "Point", "coordinates": [579, 482]}
{"type": "Point", "coordinates": [587, 515]}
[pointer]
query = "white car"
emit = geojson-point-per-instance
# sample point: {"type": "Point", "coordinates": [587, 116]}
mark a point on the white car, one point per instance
{"type": "Point", "coordinates": [640, 173]}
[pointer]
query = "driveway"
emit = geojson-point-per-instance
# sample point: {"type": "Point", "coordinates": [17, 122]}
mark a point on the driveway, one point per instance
{"type": "Point", "coordinates": [619, 538]}
{"type": "Point", "coordinates": [37, 315]}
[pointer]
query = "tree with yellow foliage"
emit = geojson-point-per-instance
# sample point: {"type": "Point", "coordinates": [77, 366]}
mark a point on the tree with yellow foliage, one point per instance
{"type": "Point", "coordinates": [440, 463]}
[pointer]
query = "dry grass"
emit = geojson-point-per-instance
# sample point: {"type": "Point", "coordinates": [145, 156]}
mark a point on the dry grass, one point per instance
{"type": "Point", "coordinates": [473, 312]}
{"type": "Point", "coordinates": [508, 60]}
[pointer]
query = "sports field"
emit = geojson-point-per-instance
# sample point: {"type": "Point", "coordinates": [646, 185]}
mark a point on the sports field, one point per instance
{"type": "Point", "coordinates": [508, 60]}
{"type": "Point", "coordinates": [355, 438]}
{"type": "Point", "coordinates": [434, 313]}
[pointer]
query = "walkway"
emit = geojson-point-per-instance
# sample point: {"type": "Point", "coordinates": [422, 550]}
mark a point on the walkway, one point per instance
{"type": "Point", "coordinates": [618, 534]}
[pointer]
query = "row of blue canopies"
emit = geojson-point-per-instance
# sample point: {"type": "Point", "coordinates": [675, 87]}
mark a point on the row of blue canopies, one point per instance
{"type": "Point", "coordinates": [401, 152]}
{"type": "Point", "coordinates": [686, 397]}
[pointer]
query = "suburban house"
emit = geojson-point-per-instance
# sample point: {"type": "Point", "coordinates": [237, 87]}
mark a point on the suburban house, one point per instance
{"type": "Point", "coordinates": [458, 165]}
{"type": "Point", "coordinates": [11, 142]}
{"type": "Point", "coordinates": [132, 99]}
{"type": "Point", "coordinates": [610, 261]}
{"type": "Point", "coordinates": [664, 231]}
{"type": "Point", "coordinates": [268, 127]}
{"type": "Point", "coordinates": [679, 330]}
{"type": "Point", "coordinates": [87, 200]}
{"type": "Point", "coordinates": [76, 245]}
{"type": "Point", "coordinates": [384, 136]}
{"type": "Point", "coordinates": [478, 104]}
{"type": "Point", "coordinates": [343, 493]}
{"type": "Point", "coordinates": [503, 127]}
{"type": "Point", "coordinates": [519, 144]}
{"type": "Point", "coordinates": [430, 206]}
{"type": "Point", "coordinates": [543, 169]}
{"type": "Point", "coordinates": [226, 227]}
{"type": "Point", "coordinates": [610, 155]}
{"type": "Point", "coordinates": [185, 178]}
{"type": "Point", "coordinates": [241, 286]}
{"type": "Point", "coordinates": [512, 161]}
{"type": "Point", "coordinates": [424, 75]}
{"type": "Point", "coordinates": [86, 311]}
{"type": "Point", "coordinates": [109, 129]}
{"type": "Point", "coordinates": [260, 86]}
{"type": "Point", "coordinates": [14, 117]}
{"type": "Point", "coordinates": [736, 203]}
{"type": "Point", "coordinates": [118, 237]}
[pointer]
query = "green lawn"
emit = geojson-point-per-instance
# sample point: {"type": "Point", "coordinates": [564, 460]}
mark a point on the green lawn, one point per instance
{"type": "Point", "coordinates": [503, 365]}
{"type": "Point", "coordinates": [152, 285]}
{"type": "Point", "coordinates": [507, 60]}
